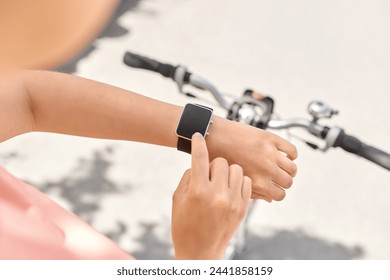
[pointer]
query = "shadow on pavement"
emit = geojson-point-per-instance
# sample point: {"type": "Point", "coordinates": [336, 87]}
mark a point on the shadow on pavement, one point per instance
{"type": "Point", "coordinates": [86, 185]}
{"type": "Point", "coordinates": [296, 245]}
{"type": "Point", "coordinates": [112, 30]}
{"type": "Point", "coordinates": [282, 245]}
{"type": "Point", "coordinates": [152, 247]}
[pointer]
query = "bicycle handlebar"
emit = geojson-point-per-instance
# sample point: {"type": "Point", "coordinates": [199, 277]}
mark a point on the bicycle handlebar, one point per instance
{"type": "Point", "coordinates": [334, 137]}
{"type": "Point", "coordinates": [355, 146]}
{"type": "Point", "coordinates": [177, 73]}
{"type": "Point", "coordinates": [142, 62]}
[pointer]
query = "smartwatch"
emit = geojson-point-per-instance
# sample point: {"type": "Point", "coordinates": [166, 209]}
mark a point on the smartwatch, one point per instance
{"type": "Point", "coordinates": [194, 118]}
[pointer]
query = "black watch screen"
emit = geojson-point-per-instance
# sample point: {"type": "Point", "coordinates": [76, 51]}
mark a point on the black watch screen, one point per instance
{"type": "Point", "coordinates": [195, 118]}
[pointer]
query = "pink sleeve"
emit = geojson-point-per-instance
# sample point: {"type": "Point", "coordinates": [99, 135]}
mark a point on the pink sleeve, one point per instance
{"type": "Point", "coordinates": [32, 226]}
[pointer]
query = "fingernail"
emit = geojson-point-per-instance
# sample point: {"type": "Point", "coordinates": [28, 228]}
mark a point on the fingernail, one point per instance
{"type": "Point", "coordinates": [197, 134]}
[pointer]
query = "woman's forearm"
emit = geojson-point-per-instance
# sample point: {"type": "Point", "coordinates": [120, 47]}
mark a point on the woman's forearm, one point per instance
{"type": "Point", "coordinates": [61, 103]}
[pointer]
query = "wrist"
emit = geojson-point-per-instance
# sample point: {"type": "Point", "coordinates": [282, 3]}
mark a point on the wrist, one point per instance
{"type": "Point", "coordinates": [220, 137]}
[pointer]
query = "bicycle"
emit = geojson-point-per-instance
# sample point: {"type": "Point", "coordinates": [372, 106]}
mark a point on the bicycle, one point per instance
{"type": "Point", "coordinates": [255, 109]}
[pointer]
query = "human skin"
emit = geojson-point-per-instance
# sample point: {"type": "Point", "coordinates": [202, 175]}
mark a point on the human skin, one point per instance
{"type": "Point", "coordinates": [208, 205]}
{"type": "Point", "coordinates": [60, 103]}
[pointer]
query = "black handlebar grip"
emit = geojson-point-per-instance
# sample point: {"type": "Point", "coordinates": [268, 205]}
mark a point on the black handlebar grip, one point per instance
{"type": "Point", "coordinates": [139, 61]}
{"type": "Point", "coordinates": [354, 145]}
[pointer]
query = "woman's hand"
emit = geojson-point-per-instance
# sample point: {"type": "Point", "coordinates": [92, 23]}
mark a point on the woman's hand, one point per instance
{"type": "Point", "coordinates": [208, 205]}
{"type": "Point", "coordinates": [265, 157]}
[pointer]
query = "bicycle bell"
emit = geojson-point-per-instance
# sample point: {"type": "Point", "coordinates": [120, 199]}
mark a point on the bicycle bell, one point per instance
{"type": "Point", "coordinates": [321, 110]}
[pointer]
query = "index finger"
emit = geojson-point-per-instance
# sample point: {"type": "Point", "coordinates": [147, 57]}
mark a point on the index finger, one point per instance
{"type": "Point", "coordinates": [200, 158]}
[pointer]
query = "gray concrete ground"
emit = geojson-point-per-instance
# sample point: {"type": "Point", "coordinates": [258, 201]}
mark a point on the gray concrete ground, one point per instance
{"type": "Point", "coordinates": [296, 51]}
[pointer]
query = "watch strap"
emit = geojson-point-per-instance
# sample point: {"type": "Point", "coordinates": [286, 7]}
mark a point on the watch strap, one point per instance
{"type": "Point", "coordinates": [184, 145]}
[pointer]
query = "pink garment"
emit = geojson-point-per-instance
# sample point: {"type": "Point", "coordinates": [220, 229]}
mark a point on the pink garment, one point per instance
{"type": "Point", "coordinates": [32, 226]}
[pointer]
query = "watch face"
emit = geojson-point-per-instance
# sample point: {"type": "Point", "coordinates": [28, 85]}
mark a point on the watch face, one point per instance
{"type": "Point", "coordinates": [195, 118]}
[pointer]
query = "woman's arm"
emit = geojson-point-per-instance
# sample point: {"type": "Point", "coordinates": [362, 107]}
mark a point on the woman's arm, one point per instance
{"type": "Point", "coordinates": [61, 103]}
